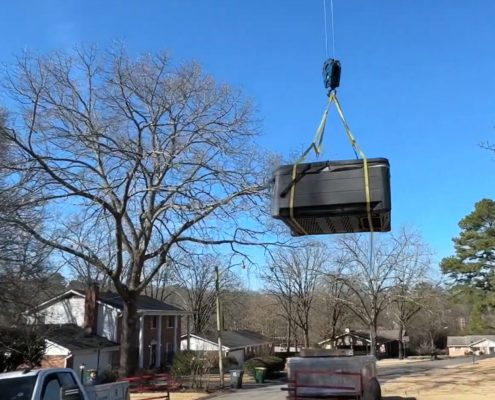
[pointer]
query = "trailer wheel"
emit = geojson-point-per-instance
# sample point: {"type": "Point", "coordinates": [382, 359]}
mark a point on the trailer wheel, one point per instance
{"type": "Point", "coordinates": [373, 391]}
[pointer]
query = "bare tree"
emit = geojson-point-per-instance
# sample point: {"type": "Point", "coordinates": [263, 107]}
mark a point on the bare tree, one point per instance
{"type": "Point", "coordinates": [195, 279]}
{"type": "Point", "coordinates": [26, 275]}
{"type": "Point", "coordinates": [430, 325]}
{"type": "Point", "coordinates": [411, 274]}
{"type": "Point", "coordinates": [292, 279]}
{"type": "Point", "coordinates": [154, 156]}
{"type": "Point", "coordinates": [333, 313]}
{"type": "Point", "coordinates": [369, 269]}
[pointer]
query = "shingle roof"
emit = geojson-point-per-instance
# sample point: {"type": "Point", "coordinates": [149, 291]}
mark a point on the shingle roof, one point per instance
{"type": "Point", "coordinates": [144, 303]}
{"type": "Point", "coordinates": [236, 339]}
{"type": "Point", "coordinates": [382, 336]}
{"type": "Point", "coordinates": [74, 338]}
{"type": "Point", "coordinates": [467, 340]}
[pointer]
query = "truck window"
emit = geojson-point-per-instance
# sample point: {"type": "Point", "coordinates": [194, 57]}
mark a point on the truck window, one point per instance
{"type": "Point", "coordinates": [51, 388]}
{"type": "Point", "coordinates": [17, 388]}
{"type": "Point", "coordinates": [67, 379]}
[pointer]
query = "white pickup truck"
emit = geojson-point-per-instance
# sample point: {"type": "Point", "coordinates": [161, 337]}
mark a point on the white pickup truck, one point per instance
{"type": "Point", "coordinates": [56, 384]}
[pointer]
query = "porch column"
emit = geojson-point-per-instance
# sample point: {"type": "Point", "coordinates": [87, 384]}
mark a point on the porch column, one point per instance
{"type": "Point", "coordinates": [141, 341]}
{"type": "Point", "coordinates": [159, 342]}
{"type": "Point", "coordinates": [176, 322]}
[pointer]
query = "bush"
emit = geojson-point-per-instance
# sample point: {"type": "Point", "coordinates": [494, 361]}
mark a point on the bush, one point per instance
{"type": "Point", "coordinates": [109, 376]}
{"type": "Point", "coordinates": [229, 362]}
{"type": "Point", "coordinates": [195, 365]}
{"type": "Point", "coordinates": [271, 363]}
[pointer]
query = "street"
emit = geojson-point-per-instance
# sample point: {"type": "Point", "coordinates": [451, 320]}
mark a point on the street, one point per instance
{"type": "Point", "coordinates": [385, 373]}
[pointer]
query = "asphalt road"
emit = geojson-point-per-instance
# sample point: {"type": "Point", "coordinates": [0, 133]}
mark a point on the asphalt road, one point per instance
{"type": "Point", "coordinates": [385, 373]}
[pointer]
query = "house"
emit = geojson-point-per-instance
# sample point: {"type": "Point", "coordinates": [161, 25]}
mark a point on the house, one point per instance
{"type": "Point", "coordinates": [477, 344]}
{"type": "Point", "coordinates": [70, 346]}
{"type": "Point", "coordinates": [100, 315]}
{"type": "Point", "coordinates": [359, 342]}
{"type": "Point", "coordinates": [238, 344]}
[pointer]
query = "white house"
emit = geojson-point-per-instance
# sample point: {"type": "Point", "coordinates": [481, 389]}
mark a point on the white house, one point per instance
{"type": "Point", "coordinates": [100, 314]}
{"type": "Point", "coordinates": [478, 344]}
{"type": "Point", "coordinates": [70, 346]}
{"type": "Point", "coordinates": [238, 344]}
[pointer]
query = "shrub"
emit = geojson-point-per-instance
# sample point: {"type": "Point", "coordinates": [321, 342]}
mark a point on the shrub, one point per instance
{"type": "Point", "coordinates": [271, 363]}
{"type": "Point", "coordinates": [109, 375]}
{"type": "Point", "coordinates": [229, 362]}
{"type": "Point", "coordinates": [195, 365]}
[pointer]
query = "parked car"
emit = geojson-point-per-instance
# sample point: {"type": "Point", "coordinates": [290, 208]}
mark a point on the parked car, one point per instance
{"type": "Point", "coordinates": [56, 384]}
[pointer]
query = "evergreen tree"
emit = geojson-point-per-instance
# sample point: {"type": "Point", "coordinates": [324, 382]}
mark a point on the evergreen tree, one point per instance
{"type": "Point", "coordinates": [473, 264]}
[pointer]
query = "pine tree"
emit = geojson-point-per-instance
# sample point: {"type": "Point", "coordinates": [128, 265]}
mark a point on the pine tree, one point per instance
{"type": "Point", "coordinates": [473, 264]}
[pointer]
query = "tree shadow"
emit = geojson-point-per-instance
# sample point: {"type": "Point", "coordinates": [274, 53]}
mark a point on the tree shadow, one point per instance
{"type": "Point", "coordinates": [398, 398]}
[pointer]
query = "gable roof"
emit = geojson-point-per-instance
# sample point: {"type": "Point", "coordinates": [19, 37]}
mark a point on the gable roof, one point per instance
{"type": "Point", "coordinates": [468, 340]}
{"type": "Point", "coordinates": [74, 338]}
{"type": "Point", "coordinates": [234, 339]}
{"type": "Point", "coordinates": [382, 336]}
{"type": "Point", "coordinates": [145, 304]}
{"type": "Point", "coordinates": [484, 340]}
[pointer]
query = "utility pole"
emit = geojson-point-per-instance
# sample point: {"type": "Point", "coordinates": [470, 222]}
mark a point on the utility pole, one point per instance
{"type": "Point", "coordinates": [219, 327]}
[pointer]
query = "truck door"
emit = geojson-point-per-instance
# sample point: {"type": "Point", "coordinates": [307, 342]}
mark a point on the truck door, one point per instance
{"type": "Point", "coordinates": [54, 383]}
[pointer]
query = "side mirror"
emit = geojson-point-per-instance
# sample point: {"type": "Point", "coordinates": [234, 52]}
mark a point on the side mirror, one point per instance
{"type": "Point", "coordinates": [71, 393]}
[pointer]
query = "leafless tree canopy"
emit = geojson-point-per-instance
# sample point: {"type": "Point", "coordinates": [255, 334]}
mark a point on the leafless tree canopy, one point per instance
{"type": "Point", "coordinates": [372, 268]}
{"type": "Point", "coordinates": [131, 158]}
{"type": "Point", "coordinates": [292, 278]}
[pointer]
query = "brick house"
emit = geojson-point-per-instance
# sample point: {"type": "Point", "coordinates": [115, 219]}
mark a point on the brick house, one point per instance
{"type": "Point", "coordinates": [99, 315]}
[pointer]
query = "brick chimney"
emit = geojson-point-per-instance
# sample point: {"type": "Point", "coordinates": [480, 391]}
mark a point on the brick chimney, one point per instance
{"type": "Point", "coordinates": [91, 309]}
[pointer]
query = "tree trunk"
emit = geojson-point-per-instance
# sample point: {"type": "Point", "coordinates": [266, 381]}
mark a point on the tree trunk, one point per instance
{"type": "Point", "coordinates": [373, 339]}
{"type": "Point", "coordinates": [306, 338]}
{"type": "Point", "coordinates": [129, 337]}
{"type": "Point", "coordinates": [401, 342]}
{"type": "Point", "coordinates": [288, 337]}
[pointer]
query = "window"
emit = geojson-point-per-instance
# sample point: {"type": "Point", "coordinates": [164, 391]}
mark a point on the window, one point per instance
{"type": "Point", "coordinates": [17, 388]}
{"type": "Point", "coordinates": [66, 379]}
{"type": "Point", "coordinates": [154, 322]}
{"type": "Point", "coordinates": [171, 321]}
{"type": "Point", "coordinates": [51, 388]}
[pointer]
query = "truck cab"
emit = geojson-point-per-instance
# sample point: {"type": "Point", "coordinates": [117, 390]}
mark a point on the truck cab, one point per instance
{"type": "Point", "coordinates": [56, 384]}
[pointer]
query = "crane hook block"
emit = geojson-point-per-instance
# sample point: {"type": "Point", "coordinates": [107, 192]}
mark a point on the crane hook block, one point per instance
{"type": "Point", "coordinates": [331, 73]}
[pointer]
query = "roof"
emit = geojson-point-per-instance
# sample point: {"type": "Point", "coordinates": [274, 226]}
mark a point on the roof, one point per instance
{"type": "Point", "coordinates": [483, 341]}
{"type": "Point", "coordinates": [144, 303]}
{"type": "Point", "coordinates": [234, 339]}
{"type": "Point", "coordinates": [74, 338]}
{"type": "Point", "coordinates": [464, 341]}
{"type": "Point", "coordinates": [382, 336]}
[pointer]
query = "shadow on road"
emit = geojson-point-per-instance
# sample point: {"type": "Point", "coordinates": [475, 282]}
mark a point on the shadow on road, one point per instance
{"type": "Point", "coordinates": [398, 398]}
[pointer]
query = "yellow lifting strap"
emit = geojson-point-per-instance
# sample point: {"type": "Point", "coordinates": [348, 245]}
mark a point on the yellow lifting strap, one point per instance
{"type": "Point", "coordinates": [316, 144]}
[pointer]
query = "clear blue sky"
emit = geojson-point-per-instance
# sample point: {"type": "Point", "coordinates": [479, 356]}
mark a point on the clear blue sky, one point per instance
{"type": "Point", "coordinates": [418, 81]}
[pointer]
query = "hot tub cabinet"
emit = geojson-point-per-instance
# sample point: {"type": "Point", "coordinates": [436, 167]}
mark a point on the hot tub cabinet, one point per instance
{"type": "Point", "coordinates": [330, 197]}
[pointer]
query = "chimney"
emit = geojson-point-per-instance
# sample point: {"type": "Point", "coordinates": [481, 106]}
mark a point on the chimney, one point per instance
{"type": "Point", "coordinates": [91, 309]}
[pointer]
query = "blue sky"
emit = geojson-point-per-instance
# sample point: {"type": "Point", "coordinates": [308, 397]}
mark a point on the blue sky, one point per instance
{"type": "Point", "coordinates": [418, 80]}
